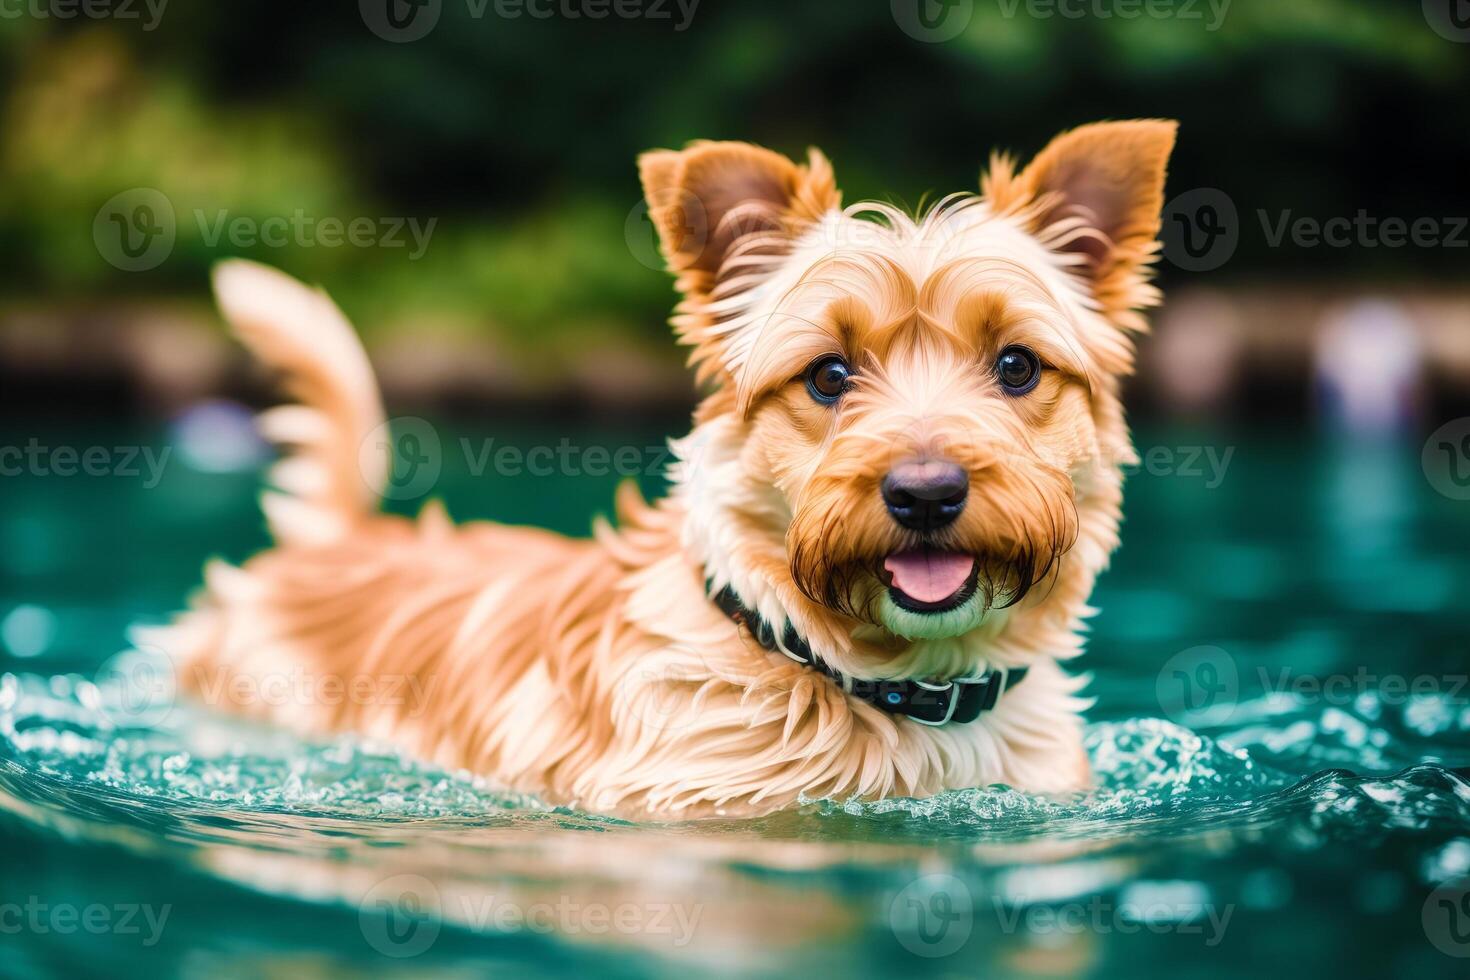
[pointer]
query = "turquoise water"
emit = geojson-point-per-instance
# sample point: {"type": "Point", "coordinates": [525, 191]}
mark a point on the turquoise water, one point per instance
{"type": "Point", "coordinates": [1281, 737]}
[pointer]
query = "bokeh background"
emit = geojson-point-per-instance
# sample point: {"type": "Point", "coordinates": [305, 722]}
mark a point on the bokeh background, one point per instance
{"type": "Point", "coordinates": [515, 136]}
{"type": "Point", "coordinates": [1302, 406]}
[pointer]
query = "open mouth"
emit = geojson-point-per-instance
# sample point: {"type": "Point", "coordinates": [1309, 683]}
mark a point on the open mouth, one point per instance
{"type": "Point", "coordinates": [927, 580]}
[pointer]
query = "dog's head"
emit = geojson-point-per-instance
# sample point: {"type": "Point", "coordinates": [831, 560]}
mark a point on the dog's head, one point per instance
{"type": "Point", "coordinates": [920, 416]}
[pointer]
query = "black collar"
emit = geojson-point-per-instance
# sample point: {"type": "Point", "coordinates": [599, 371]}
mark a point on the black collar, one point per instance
{"type": "Point", "coordinates": [926, 702]}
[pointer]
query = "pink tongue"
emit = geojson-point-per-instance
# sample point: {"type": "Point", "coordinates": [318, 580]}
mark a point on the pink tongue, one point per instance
{"type": "Point", "coordinates": [929, 576]}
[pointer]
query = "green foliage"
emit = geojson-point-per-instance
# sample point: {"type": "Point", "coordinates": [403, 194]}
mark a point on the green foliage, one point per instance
{"type": "Point", "coordinates": [516, 137]}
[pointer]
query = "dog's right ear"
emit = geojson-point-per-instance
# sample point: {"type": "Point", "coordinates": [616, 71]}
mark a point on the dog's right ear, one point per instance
{"type": "Point", "coordinates": [713, 201]}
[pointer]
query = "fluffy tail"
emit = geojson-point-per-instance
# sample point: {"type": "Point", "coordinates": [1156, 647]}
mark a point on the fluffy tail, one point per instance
{"type": "Point", "coordinates": [332, 475]}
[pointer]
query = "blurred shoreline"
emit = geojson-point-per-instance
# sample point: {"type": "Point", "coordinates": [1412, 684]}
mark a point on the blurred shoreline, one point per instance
{"type": "Point", "coordinates": [1246, 352]}
{"type": "Point", "coordinates": [146, 360]}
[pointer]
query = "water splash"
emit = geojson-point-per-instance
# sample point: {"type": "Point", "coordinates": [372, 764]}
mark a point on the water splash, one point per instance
{"type": "Point", "coordinates": [68, 729]}
{"type": "Point", "coordinates": [1182, 831]}
{"type": "Point", "coordinates": [1153, 777]}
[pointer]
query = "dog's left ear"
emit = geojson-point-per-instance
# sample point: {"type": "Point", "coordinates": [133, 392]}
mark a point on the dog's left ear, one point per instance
{"type": "Point", "coordinates": [724, 212]}
{"type": "Point", "coordinates": [1097, 193]}
{"type": "Point", "coordinates": [712, 198]}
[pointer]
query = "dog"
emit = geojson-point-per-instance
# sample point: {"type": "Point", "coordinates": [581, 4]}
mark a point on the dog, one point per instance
{"type": "Point", "coordinates": [877, 551]}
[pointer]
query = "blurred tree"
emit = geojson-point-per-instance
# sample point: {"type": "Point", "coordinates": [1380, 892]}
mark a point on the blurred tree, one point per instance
{"type": "Point", "coordinates": [517, 135]}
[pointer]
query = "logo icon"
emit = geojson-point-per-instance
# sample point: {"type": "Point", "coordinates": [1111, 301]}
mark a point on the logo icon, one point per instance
{"type": "Point", "coordinates": [1201, 229]}
{"type": "Point", "coordinates": [1446, 459]}
{"type": "Point", "coordinates": [400, 21]}
{"type": "Point", "coordinates": [1450, 19]}
{"type": "Point", "coordinates": [1198, 683]}
{"type": "Point", "coordinates": [1446, 918]}
{"type": "Point", "coordinates": [138, 688]}
{"type": "Point", "coordinates": [404, 455]}
{"type": "Point", "coordinates": [401, 916]}
{"type": "Point", "coordinates": [135, 230]}
{"type": "Point", "coordinates": [933, 21]}
{"type": "Point", "coordinates": [932, 916]}
{"type": "Point", "coordinates": [688, 226]}
{"type": "Point", "coordinates": [657, 693]}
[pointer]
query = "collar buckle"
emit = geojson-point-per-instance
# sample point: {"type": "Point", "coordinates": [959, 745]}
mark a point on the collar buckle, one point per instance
{"type": "Point", "coordinates": [951, 697]}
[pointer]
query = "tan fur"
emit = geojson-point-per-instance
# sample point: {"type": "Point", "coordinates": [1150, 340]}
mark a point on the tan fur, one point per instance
{"type": "Point", "coordinates": [597, 672]}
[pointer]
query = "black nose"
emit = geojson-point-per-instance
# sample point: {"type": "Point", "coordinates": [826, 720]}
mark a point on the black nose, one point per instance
{"type": "Point", "coordinates": [926, 496]}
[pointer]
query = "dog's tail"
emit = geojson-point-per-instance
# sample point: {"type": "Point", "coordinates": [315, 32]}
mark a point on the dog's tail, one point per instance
{"type": "Point", "coordinates": [331, 477]}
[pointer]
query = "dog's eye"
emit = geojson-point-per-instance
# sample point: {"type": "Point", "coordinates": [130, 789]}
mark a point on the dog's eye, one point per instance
{"type": "Point", "coordinates": [1018, 369]}
{"type": "Point", "coordinates": [827, 378]}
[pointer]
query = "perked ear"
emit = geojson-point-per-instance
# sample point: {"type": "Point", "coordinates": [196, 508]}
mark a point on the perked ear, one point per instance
{"type": "Point", "coordinates": [712, 197]}
{"type": "Point", "coordinates": [1097, 192]}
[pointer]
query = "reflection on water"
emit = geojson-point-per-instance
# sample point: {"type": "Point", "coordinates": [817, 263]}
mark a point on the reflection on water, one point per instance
{"type": "Point", "coordinates": [1281, 723]}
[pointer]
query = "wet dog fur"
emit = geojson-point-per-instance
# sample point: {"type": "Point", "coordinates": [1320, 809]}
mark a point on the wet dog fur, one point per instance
{"type": "Point", "coordinates": [598, 672]}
